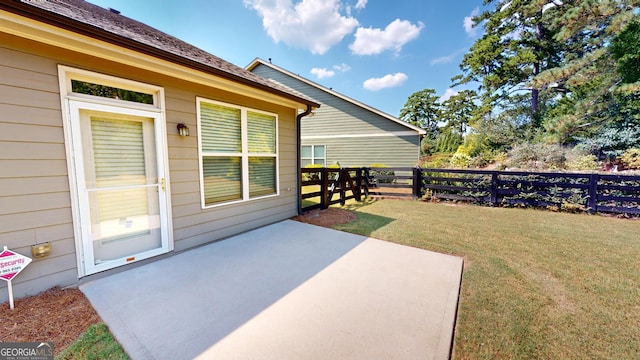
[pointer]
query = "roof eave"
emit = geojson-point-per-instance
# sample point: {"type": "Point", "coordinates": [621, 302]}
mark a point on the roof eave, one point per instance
{"type": "Point", "coordinates": [79, 27]}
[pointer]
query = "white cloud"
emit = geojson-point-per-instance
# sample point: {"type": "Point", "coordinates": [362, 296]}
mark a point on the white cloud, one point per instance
{"type": "Point", "coordinates": [361, 4]}
{"type": "Point", "coordinates": [371, 41]}
{"type": "Point", "coordinates": [442, 59]}
{"type": "Point", "coordinates": [447, 58]}
{"type": "Point", "coordinates": [447, 94]}
{"type": "Point", "coordinates": [471, 30]}
{"type": "Point", "coordinates": [315, 25]}
{"type": "Point", "coordinates": [386, 81]}
{"type": "Point", "coordinates": [322, 73]}
{"type": "Point", "coordinates": [342, 67]}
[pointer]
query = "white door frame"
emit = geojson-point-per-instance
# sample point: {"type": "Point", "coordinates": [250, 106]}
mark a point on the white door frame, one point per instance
{"type": "Point", "coordinates": [71, 104]}
{"type": "Point", "coordinates": [84, 240]}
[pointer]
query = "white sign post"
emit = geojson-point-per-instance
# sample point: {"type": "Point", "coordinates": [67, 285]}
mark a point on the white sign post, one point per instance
{"type": "Point", "coordinates": [11, 263]}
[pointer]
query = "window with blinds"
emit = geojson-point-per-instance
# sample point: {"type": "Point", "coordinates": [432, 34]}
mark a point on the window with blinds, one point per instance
{"type": "Point", "coordinates": [239, 153]}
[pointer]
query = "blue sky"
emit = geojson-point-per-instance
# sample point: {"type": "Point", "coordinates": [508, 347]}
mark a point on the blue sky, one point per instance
{"type": "Point", "coordinates": [376, 51]}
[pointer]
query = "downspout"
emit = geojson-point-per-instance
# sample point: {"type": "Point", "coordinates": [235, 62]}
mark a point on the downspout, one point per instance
{"type": "Point", "coordinates": [298, 167]}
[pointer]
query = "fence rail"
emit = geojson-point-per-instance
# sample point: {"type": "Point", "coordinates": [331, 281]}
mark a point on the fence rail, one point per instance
{"type": "Point", "coordinates": [568, 191]}
{"type": "Point", "coordinates": [591, 192]}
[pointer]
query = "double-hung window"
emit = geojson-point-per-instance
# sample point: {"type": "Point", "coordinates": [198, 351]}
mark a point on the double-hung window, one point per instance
{"type": "Point", "coordinates": [238, 153]}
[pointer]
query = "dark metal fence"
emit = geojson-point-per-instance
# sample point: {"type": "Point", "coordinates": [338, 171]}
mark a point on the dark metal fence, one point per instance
{"type": "Point", "coordinates": [565, 191]}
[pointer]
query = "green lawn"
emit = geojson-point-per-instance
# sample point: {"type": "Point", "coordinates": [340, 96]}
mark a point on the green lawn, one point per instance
{"type": "Point", "coordinates": [536, 284]}
{"type": "Point", "coordinates": [96, 343]}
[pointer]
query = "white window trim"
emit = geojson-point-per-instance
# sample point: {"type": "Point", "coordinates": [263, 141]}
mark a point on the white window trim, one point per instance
{"type": "Point", "coordinates": [313, 154]}
{"type": "Point", "coordinates": [244, 155]}
{"type": "Point", "coordinates": [67, 96]}
{"type": "Point", "coordinates": [66, 74]}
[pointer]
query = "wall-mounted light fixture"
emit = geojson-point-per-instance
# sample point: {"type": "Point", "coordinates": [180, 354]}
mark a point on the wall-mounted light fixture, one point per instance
{"type": "Point", "coordinates": [183, 130]}
{"type": "Point", "coordinates": [41, 250]}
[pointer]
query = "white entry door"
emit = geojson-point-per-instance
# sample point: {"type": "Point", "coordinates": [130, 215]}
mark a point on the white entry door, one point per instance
{"type": "Point", "coordinates": [121, 184]}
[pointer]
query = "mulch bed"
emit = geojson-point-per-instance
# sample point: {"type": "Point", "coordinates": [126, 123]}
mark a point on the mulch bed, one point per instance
{"type": "Point", "coordinates": [57, 315]}
{"type": "Point", "coordinates": [327, 217]}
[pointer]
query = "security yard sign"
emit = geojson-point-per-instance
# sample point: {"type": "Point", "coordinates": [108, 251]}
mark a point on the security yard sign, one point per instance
{"type": "Point", "coordinates": [11, 263]}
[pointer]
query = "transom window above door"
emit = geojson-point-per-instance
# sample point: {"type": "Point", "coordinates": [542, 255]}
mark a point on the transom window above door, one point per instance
{"type": "Point", "coordinates": [86, 85]}
{"type": "Point", "coordinates": [238, 153]}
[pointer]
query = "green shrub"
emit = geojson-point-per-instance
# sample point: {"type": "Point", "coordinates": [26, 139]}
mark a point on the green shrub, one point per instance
{"type": "Point", "coordinates": [473, 145]}
{"type": "Point", "coordinates": [460, 160]}
{"type": "Point", "coordinates": [311, 176]}
{"type": "Point", "coordinates": [435, 161]}
{"type": "Point", "coordinates": [500, 158]}
{"type": "Point", "coordinates": [537, 156]}
{"type": "Point", "coordinates": [631, 158]}
{"type": "Point", "coordinates": [584, 162]}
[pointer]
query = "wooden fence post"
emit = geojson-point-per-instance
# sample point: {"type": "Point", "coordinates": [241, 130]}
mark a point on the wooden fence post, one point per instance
{"type": "Point", "coordinates": [494, 188]}
{"type": "Point", "coordinates": [366, 182]}
{"type": "Point", "coordinates": [358, 187]}
{"type": "Point", "coordinates": [592, 203]}
{"type": "Point", "coordinates": [343, 185]}
{"type": "Point", "coordinates": [324, 175]}
{"type": "Point", "coordinates": [417, 183]}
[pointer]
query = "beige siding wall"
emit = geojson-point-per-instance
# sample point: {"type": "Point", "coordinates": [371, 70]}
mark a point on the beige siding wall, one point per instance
{"type": "Point", "coordinates": [35, 206]}
{"type": "Point", "coordinates": [35, 203]}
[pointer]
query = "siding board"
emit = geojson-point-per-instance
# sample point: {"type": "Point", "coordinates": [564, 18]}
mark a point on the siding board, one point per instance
{"type": "Point", "coordinates": [28, 79]}
{"type": "Point", "coordinates": [35, 219]}
{"type": "Point", "coordinates": [33, 185]}
{"type": "Point", "coordinates": [30, 150]}
{"type": "Point", "coordinates": [32, 168]}
{"type": "Point", "coordinates": [29, 98]}
{"type": "Point", "coordinates": [36, 202]}
{"type": "Point", "coordinates": [14, 114]}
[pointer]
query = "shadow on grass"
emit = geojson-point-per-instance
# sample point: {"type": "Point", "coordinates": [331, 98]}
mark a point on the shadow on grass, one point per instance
{"type": "Point", "coordinates": [365, 223]}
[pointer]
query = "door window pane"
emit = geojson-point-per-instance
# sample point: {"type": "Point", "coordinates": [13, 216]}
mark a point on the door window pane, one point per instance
{"type": "Point", "coordinates": [121, 185]}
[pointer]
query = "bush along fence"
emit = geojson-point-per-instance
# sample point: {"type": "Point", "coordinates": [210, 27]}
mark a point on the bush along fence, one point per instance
{"type": "Point", "coordinates": [557, 191]}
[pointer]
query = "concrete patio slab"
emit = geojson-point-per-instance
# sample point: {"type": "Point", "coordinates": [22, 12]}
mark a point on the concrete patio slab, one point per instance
{"type": "Point", "coordinates": [286, 291]}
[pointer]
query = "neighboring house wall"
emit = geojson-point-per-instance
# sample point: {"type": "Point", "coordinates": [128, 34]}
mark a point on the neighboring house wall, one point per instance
{"type": "Point", "coordinates": [35, 204]}
{"type": "Point", "coordinates": [353, 135]}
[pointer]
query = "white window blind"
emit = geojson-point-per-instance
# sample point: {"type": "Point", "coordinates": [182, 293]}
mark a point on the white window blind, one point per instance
{"type": "Point", "coordinates": [119, 161]}
{"type": "Point", "coordinates": [239, 153]}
